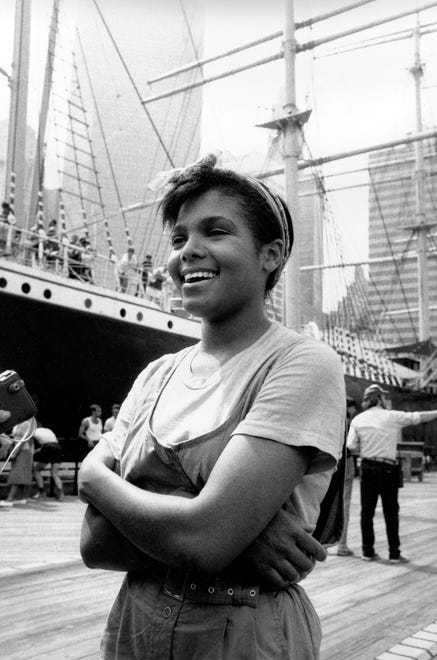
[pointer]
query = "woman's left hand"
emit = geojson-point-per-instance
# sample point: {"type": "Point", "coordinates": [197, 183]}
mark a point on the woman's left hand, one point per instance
{"type": "Point", "coordinates": [93, 468]}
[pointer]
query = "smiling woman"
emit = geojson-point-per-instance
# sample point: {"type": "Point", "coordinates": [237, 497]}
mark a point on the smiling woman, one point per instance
{"type": "Point", "coordinates": [223, 462]}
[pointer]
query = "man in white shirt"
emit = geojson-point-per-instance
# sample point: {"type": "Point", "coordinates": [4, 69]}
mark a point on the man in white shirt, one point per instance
{"type": "Point", "coordinates": [49, 452]}
{"type": "Point", "coordinates": [91, 427]}
{"type": "Point", "coordinates": [375, 433]}
{"type": "Point", "coordinates": [127, 269]}
{"type": "Point", "coordinates": [110, 422]}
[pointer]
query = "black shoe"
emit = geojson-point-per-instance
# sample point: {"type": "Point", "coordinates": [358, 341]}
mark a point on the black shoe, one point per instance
{"type": "Point", "coordinates": [40, 495]}
{"type": "Point", "coordinates": [398, 560]}
{"type": "Point", "coordinates": [373, 557]}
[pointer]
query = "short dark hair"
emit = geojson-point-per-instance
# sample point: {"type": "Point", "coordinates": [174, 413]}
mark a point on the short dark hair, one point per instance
{"type": "Point", "coordinates": [202, 177]}
{"type": "Point", "coordinates": [373, 399]}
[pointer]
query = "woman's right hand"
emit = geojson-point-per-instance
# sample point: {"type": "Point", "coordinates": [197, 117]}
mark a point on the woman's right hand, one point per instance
{"type": "Point", "coordinates": [283, 553]}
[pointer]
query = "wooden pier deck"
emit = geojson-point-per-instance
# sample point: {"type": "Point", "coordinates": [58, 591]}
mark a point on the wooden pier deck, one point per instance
{"type": "Point", "coordinates": [52, 608]}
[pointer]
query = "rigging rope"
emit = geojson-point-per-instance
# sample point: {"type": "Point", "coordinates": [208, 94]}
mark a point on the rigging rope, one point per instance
{"type": "Point", "coordinates": [152, 123]}
{"type": "Point", "coordinates": [360, 359]}
{"type": "Point", "coordinates": [160, 249]}
{"type": "Point", "coordinates": [112, 254]}
{"type": "Point", "coordinates": [389, 244]}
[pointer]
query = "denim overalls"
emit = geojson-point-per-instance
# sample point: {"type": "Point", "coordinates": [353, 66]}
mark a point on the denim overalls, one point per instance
{"type": "Point", "coordinates": [181, 616]}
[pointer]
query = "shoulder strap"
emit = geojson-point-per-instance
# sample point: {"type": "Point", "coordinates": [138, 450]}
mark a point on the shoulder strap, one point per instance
{"type": "Point", "coordinates": [329, 526]}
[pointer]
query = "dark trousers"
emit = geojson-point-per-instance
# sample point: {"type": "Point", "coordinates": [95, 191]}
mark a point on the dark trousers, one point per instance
{"type": "Point", "coordinates": [379, 479]}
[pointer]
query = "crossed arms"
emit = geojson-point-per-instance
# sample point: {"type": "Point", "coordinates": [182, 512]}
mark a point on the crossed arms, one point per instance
{"type": "Point", "coordinates": [237, 514]}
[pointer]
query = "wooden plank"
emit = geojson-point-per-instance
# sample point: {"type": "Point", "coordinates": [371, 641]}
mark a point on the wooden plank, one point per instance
{"type": "Point", "coordinates": [58, 611]}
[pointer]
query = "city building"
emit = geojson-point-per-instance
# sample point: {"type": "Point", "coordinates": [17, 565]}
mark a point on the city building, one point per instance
{"type": "Point", "coordinates": [152, 37]}
{"type": "Point", "coordinates": [393, 283]}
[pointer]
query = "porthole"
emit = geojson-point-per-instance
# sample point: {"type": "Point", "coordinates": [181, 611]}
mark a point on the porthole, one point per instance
{"type": "Point", "coordinates": [3, 282]}
{"type": "Point", "coordinates": [25, 287]}
{"type": "Point", "coordinates": [88, 302]}
{"type": "Point", "coordinates": [47, 294]}
{"type": "Point", "coordinates": [169, 324]}
{"type": "Point", "coordinates": [122, 312]}
{"type": "Point", "coordinates": [139, 316]}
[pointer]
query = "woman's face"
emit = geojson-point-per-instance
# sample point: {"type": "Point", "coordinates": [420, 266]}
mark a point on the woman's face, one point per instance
{"type": "Point", "coordinates": [214, 261]}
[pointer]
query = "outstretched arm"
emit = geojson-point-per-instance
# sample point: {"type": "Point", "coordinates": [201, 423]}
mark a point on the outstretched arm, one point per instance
{"type": "Point", "coordinates": [428, 415]}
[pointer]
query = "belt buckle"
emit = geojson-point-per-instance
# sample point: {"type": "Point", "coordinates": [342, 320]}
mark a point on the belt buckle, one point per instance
{"type": "Point", "coordinates": [174, 584]}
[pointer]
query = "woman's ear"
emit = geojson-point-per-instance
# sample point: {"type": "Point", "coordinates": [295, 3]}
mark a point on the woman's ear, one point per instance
{"type": "Point", "coordinates": [272, 255]}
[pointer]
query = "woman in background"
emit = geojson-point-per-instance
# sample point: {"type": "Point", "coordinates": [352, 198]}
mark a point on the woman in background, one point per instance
{"type": "Point", "coordinates": [19, 480]}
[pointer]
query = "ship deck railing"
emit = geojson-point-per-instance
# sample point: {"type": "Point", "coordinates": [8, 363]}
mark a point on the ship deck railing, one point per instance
{"type": "Point", "coordinates": [54, 255]}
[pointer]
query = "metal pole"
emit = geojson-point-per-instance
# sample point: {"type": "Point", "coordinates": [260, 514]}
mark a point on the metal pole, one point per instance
{"type": "Point", "coordinates": [314, 162]}
{"type": "Point", "coordinates": [309, 45]}
{"type": "Point", "coordinates": [16, 156]}
{"type": "Point", "coordinates": [214, 58]}
{"type": "Point", "coordinates": [330, 14]}
{"type": "Point", "coordinates": [297, 49]}
{"type": "Point", "coordinates": [292, 303]}
{"type": "Point", "coordinates": [366, 262]}
{"type": "Point", "coordinates": [421, 225]}
{"type": "Point", "coordinates": [251, 44]}
{"type": "Point", "coordinates": [205, 81]}
{"type": "Point", "coordinates": [39, 156]}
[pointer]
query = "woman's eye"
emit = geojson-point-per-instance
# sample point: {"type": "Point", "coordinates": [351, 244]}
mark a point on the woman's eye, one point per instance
{"type": "Point", "coordinates": [217, 232]}
{"type": "Point", "coordinates": [177, 240]}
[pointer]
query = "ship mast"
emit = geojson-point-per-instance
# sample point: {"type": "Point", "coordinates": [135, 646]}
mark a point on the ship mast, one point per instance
{"type": "Point", "coordinates": [289, 126]}
{"type": "Point", "coordinates": [291, 157]}
{"type": "Point", "coordinates": [421, 226]}
{"type": "Point", "coordinates": [16, 155]}
{"type": "Point", "coordinates": [38, 170]}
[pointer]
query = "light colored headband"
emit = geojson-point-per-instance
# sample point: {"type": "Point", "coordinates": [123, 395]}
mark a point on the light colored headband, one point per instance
{"type": "Point", "coordinates": [170, 178]}
{"type": "Point", "coordinates": [277, 207]}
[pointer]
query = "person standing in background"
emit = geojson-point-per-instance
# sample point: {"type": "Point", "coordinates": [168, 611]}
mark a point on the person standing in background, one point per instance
{"type": "Point", "coordinates": [91, 427]}
{"type": "Point", "coordinates": [49, 452]}
{"type": "Point", "coordinates": [343, 549]}
{"type": "Point", "coordinates": [375, 433]}
{"type": "Point", "coordinates": [109, 423]}
{"type": "Point", "coordinates": [20, 476]}
{"type": "Point", "coordinates": [127, 269]}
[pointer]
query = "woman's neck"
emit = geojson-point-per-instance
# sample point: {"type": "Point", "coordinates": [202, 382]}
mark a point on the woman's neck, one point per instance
{"type": "Point", "coordinates": [224, 340]}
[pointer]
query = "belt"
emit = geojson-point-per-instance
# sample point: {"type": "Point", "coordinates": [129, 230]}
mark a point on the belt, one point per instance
{"type": "Point", "coordinates": [377, 459]}
{"type": "Point", "coordinates": [215, 590]}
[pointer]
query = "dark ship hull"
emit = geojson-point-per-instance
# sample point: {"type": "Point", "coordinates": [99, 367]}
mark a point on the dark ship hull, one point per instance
{"type": "Point", "coordinates": [75, 344]}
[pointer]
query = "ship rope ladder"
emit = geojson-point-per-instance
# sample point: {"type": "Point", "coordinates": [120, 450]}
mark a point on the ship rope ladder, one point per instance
{"type": "Point", "coordinates": [76, 164]}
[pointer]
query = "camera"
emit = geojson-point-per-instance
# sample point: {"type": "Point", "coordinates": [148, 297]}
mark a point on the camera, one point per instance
{"type": "Point", "coordinates": [16, 399]}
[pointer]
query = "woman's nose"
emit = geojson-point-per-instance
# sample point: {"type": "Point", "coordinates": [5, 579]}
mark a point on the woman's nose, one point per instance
{"type": "Point", "coordinates": [193, 248]}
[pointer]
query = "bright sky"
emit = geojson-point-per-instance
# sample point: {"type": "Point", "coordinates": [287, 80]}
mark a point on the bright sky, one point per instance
{"type": "Point", "coordinates": [358, 98]}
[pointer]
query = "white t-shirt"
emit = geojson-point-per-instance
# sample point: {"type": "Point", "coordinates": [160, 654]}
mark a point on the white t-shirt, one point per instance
{"type": "Point", "coordinates": [109, 424]}
{"type": "Point", "coordinates": [297, 405]}
{"type": "Point", "coordinates": [301, 402]}
{"type": "Point", "coordinates": [376, 432]}
{"type": "Point", "coordinates": [94, 429]}
{"type": "Point", "coordinates": [44, 436]}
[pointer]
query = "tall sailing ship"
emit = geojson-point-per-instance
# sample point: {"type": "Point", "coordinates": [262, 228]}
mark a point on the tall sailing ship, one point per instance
{"type": "Point", "coordinates": [77, 341]}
